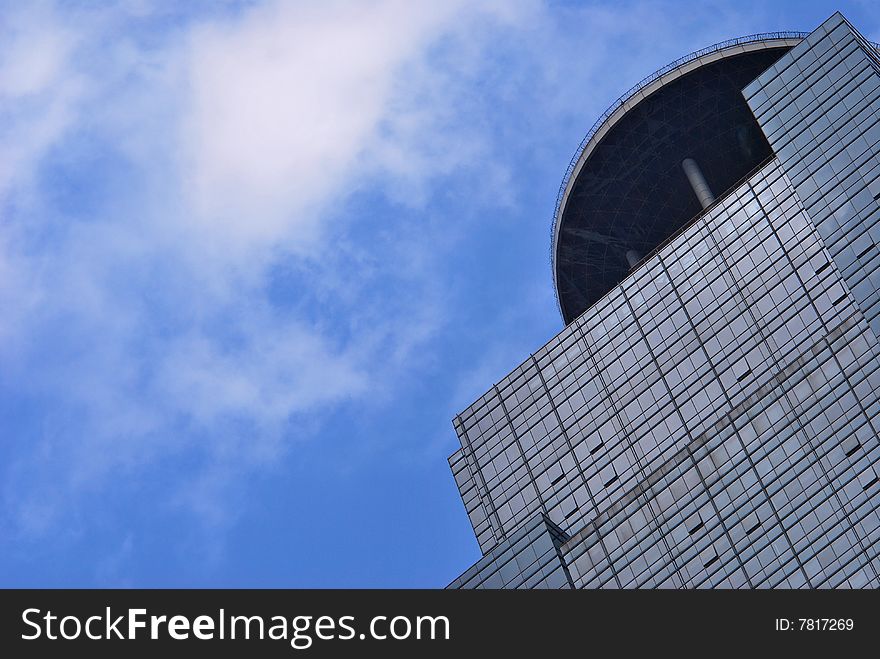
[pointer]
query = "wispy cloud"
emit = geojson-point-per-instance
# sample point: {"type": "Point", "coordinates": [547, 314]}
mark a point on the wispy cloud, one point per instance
{"type": "Point", "coordinates": [160, 182]}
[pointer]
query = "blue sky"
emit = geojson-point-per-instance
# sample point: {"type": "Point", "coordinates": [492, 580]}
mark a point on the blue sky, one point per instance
{"type": "Point", "coordinates": [254, 256]}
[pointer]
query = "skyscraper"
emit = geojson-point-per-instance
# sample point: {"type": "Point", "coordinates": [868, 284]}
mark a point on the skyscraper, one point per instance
{"type": "Point", "coordinates": [709, 416]}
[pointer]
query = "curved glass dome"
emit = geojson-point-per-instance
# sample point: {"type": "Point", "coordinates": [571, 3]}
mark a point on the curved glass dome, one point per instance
{"type": "Point", "coordinates": [627, 191]}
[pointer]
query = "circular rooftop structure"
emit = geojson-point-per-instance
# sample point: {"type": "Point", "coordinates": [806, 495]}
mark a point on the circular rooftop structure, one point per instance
{"type": "Point", "coordinates": [627, 191]}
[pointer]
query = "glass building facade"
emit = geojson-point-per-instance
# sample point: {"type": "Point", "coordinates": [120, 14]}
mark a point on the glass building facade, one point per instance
{"type": "Point", "coordinates": [713, 418]}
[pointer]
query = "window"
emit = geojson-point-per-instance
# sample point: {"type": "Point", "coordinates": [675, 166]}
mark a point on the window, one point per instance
{"type": "Point", "coordinates": [850, 445]}
{"type": "Point", "coordinates": [694, 523]}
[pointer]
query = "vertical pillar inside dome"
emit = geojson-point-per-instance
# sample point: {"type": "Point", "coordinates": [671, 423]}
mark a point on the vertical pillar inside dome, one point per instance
{"type": "Point", "coordinates": [698, 182]}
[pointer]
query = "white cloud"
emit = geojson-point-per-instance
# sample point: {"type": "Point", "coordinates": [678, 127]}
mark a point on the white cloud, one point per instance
{"type": "Point", "coordinates": [212, 153]}
{"type": "Point", "coordinates": [291, 104]}
{"type": "Point", "coordinates": [35, 47]}
{"type": "Point", "coordinates": [38, 90]}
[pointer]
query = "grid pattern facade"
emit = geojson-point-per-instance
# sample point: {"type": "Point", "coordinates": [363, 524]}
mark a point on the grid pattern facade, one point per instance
{"type": "Point", "coordinates": [530, 558]}
{"type": "Point", "coordinates": [820, 108]}
{"type": "Point", "coordinates": [713, 420]}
